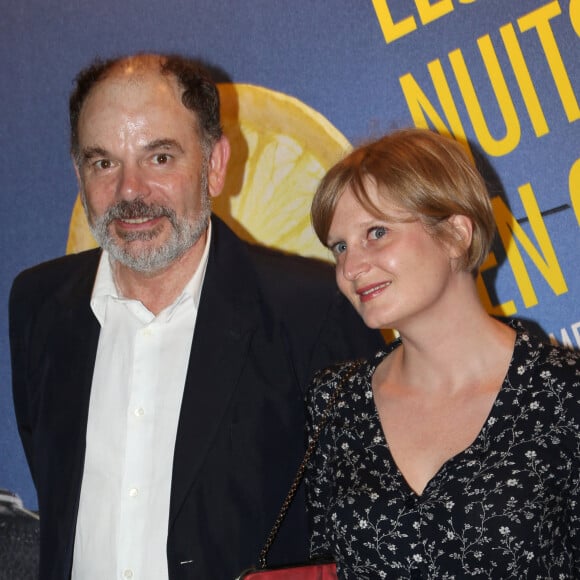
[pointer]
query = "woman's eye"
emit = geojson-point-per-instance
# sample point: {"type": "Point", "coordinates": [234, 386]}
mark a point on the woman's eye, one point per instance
{"type": "Point", "coordinates": [338, 248]}
{"type": "Point", "coordinates": [378, 232]}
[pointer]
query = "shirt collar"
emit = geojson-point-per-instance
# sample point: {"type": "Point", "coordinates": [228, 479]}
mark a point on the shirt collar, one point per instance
{"type": "Point", "coordinates": [105, 288]}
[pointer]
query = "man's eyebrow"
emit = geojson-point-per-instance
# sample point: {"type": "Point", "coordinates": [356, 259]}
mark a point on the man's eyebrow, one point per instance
{"type": "Point", "coordinates": [92, 152]}
{"type": "Point", "coordinates": [163, 144]}
{"type": "Point", "coordinates": [89, 153]}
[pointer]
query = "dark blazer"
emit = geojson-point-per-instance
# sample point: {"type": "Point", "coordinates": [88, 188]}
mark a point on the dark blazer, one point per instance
{"type": "Point", "coordinates": [265, 323]}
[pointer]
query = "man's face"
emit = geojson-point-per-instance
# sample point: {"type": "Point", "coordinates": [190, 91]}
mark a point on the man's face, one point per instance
{"type": "Point", "coordinates": [145, 180]}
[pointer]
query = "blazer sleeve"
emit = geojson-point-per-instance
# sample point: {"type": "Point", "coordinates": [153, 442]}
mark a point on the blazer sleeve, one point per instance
{"type": "Point", "coordinates": [20, 316]}
{"type": "Point", "coordinates": [41, 300]}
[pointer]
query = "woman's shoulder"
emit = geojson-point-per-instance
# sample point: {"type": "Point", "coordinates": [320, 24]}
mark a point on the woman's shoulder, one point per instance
{"type": "Point", "coordinates": [338, 376]}
{"type": "Point", "coordinates": [537, 355]}
{"type": "Point", "coordinates": [329, 377]}
{"type": "Point", "coordinates": [545, 377]}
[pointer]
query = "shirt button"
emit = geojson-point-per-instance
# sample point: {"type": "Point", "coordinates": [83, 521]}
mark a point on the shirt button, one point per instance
{"type": "Point", "coordinates": [139, 412]}
{"type": "Point", "coordinates": [128, 574]}
{"type": "Point", "coordinates": [133, 492]}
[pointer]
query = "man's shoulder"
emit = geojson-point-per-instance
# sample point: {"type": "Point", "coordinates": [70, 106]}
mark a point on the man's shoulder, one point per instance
{"type": "Point", "coordinates": [274, 271]}
{"type": "Point", "coordinates": [298, 288]}
{"type": "Point", "coordinates": [291, 268]}
{"type": "Point", "coordinates": [59, 272]}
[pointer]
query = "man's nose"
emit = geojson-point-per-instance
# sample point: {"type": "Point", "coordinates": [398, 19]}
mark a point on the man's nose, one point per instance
{"type": "Point", "coordinates": [132, 183]}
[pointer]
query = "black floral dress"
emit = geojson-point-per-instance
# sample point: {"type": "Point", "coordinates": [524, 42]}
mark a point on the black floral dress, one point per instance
{"type": "Point", "coordinates": [506, 507]}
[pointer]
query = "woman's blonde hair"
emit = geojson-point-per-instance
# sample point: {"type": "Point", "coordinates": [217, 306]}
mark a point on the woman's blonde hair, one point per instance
{"type": "Point", "coordinates": [429, 175]}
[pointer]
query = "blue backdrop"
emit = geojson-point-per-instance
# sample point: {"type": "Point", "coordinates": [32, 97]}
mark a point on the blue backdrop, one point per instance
{"type": "Point", "coordinates": [502, 74]}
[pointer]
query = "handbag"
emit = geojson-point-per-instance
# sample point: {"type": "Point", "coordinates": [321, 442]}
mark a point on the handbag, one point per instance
{"type": "Point", "coordinates": [308, 571]}
{"type": "Point", "coordinates": [318, 569]}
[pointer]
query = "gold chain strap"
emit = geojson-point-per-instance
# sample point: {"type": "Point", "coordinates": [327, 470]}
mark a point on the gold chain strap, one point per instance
{"type": "Point", "coordinates": [302, 468]}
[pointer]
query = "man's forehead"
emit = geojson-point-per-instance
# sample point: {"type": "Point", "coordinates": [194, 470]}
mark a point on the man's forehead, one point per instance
{"type": "Point", "coordinates": [139, 74]}
{"type": "Point", "coordinates": [128, 84]}
{"type": "Point", "coordinates": [141, 64]}
{"type": "Point", "coordinates": [132, 99]}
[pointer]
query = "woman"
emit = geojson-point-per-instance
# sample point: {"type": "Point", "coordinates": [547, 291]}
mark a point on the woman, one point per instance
{"type": "Point", "coordinates": [455, 453]}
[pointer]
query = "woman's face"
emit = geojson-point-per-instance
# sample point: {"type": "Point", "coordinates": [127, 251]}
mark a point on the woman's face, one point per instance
{"type": "Point", "coordinates": [391, 269]}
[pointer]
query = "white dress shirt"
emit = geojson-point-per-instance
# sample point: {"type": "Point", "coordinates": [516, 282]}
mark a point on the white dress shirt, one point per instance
{"type": "Point", "coordinates": [134, 408]}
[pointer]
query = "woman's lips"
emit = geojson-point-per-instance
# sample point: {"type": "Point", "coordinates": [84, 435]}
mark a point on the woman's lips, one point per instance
{"type": "Point", "coordinates": [371, 291]}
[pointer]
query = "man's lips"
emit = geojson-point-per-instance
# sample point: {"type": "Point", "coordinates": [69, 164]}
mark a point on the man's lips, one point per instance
{"type": "Point", "coordinates": [136, 222]}
{"type": "Point", "coordinates": [369, 292]}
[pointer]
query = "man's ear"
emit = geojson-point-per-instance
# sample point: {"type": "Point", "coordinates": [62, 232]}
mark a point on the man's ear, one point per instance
{"type": "Point", "coordinates": [461, 229]}
{"type": "Point", "coordinates": [218, 164]}
{"type": "Point", "coordinates": [77, 169]}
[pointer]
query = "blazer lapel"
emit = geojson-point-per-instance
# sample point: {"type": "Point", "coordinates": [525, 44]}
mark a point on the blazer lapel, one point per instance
{"type": "Point", "coordinates": [76, 339]}
{"type": "Point", "coordinates": [225, 321]}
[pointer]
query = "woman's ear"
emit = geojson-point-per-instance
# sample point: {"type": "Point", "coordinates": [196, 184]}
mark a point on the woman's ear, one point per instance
{"type": "Point", "coordinates": [461, 230]}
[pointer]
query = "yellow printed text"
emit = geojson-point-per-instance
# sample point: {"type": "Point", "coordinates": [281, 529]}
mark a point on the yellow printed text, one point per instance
{"type": "Point", "coordinates": [444, 115]}
{"type": "Point", "coordinates": [515, 241]}
{"type": "Point", "coordinates": [427, 10]}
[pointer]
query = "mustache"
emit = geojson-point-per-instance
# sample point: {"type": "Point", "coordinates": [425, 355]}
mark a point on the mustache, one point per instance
{"type": "Point", "coordinates": [136, 209]}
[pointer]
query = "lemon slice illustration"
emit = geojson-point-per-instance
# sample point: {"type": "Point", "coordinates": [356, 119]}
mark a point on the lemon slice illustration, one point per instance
{"type": "Point", "coordinates": [281, 148]}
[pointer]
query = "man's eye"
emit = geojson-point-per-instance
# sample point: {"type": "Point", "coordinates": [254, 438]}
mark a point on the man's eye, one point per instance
{"type": "Point", "coordinates": [161, 158]}
{"type": "Point", "coordinates": [338, 248]}
{"type": "Point", "coordinates": [103, 164]}
{"type": "Point", "coordinates": [378, 232]}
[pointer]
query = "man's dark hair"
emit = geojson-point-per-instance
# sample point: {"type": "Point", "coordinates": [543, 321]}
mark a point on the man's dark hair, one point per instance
{"type": "Point", "coordinates": [200, 94]}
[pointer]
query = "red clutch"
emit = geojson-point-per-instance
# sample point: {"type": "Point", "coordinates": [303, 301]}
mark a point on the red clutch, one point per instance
{"type": "Point", "coordinates": [312, 571]}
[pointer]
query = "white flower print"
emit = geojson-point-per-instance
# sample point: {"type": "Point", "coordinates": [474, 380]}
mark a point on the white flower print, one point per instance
{"type": "Point", "coordinates": [495, 510]}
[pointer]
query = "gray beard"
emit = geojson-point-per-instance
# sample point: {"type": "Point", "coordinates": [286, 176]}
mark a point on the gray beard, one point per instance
{"type": "Point", "coordinates": [185, 232]}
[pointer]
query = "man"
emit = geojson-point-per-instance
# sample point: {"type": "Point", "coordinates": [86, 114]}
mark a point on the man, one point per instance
{"type": "Point", "coordinates": [158, 382]}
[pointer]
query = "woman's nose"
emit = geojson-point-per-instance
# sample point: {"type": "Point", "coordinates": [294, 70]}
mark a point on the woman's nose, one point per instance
{"type": "Point", "coordinates": [354, 264]}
